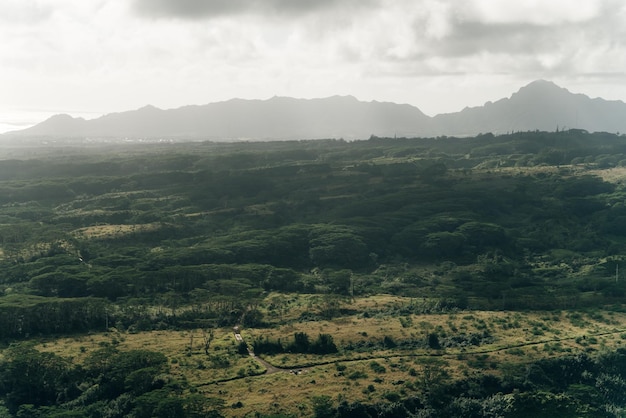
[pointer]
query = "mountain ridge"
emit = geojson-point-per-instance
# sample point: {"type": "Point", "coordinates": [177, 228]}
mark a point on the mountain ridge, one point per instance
{"type": "Point", "coordinates": [539, 105]}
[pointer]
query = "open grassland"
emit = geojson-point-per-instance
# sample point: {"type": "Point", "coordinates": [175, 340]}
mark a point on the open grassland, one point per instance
{"type": "Point", "coordinates": [383, 353]}
{"type": "Point", "coordinates": [114, 231]}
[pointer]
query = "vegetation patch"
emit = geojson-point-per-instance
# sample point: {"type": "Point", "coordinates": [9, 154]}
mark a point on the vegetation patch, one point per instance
{"type": "Point", "coordinates": [114, 231]}
{"type": "Point", "coordinates": [388, 277]}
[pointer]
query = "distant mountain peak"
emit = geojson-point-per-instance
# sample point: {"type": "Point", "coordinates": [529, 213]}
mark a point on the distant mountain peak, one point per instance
{"type": "Point", "coordinates": [541, 87]}
{"type": "Point", "coordinates": [60, 116]}
{"type": "Point", "coordinates": [60, 119]}
{"type": "Point", "coordinates": [539, 105]}
{"type": "Point", "coordinates": [542, 82]}
{"type": "Point", "coordinates": [148, 108]}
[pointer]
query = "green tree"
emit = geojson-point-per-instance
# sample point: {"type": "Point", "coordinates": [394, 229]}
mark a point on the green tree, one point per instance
{"type": "Point", "coordinates": [28, 376]}
{"type": "Point", "coordinates": [338, 247]}
{"type": "Point", "coordinates": [158, 404]}
{"type": "Point", "coordinates": [443, 245]}
{"type": "Point", "coordinates": [301, 343]}
{"type": "Point", "coordinates": [323, 406]}
{"type": "Point", "coordinates": [324, 344]}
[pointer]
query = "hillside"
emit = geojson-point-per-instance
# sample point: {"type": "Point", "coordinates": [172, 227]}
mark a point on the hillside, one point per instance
{"type": "Point", "coordinates": [391, 277]}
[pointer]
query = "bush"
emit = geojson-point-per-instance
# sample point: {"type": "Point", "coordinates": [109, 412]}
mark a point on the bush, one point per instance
{"type": "Point", "coordinates": [358, 374]}
{"type": "Point", "coordinates": [377, 367]}
{"type": "Point", "coordinates": [433, 341]}
{"type": "Point", "coordinates": [242, 348]}
{"type": "Point", "coordinates": [323, 345]}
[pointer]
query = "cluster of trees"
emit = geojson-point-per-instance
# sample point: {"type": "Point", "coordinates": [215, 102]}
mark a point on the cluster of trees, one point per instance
{"type": "Point", "coordinates": [22, 316]}
{"type": "Point", "coordinates": [138, 383]}
{"type": "Point", "coordinates": [109, 384]}
{"type": "Point", "coordinates": [577, 386]}
{"type": "Point", "coordinates": [498, 222]}
{"type": "Point", "coordinates": [301, 343]}
{"type": "Point", "coordinates": [233, 219]}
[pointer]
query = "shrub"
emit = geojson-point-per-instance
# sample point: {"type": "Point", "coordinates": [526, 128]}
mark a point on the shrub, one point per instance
{"type": "Point", "coordinates": [377, 367]}
{"type": "Point", "coordinates": [433, 341]}
{"type": "Point", "coordinates": [358, 374]}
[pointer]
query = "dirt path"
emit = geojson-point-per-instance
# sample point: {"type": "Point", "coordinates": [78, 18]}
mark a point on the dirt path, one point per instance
{"type": "Point", "coordinates": [270, 369]}
{"type": "Point", "coordinates": [439, 353]}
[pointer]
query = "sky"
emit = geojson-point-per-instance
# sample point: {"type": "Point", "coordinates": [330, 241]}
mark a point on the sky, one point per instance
{"type": "Point", "coordinates": [87, 58]}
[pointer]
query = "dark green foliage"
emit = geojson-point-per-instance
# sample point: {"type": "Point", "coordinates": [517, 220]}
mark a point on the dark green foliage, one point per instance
{"type": "Point", "coordinates": [337, 247]}
{"type": "Point", "coordinates": [158, 404]}
{"type": "Point", "coordinates": [589, 390]}
{"type": "Point", "coordinates": [242, 348]}
{"type": "Point", "coordinates": [37, 384]}
{"type": "Point", "coordinates": [94, 238]}
{"type": "Point", "coordinates": [357, 375]}
{"type": "Point", "coordinates": [233, 219]}
{"type": "Point", "coordinates": [265, 346]}
{"type": "Point", "coordinates": [442, 245]}
{"type": "Point", "coordinates": [323, 345]}
{"type": "Point", "coordinates": [21, 316]}
{"type": "Point", "coordinates": [388, 342]}
{"type": "Point", "coordinates": [323, 407]}
{"type": "Point", "coordinates": [354, 410]}
{"type": "Point", "coordinates": [31, 377]}
{"type": "Point", "coordinates": [377, 367]}
{"type": "Point", "coordinates": [253, 318]}
{"type": "Point", "coordinates": [301, 343]}
{"type": "Point", "coordinates": [133, 371]}
{"type": "Point", "coordinates": [433, 341]}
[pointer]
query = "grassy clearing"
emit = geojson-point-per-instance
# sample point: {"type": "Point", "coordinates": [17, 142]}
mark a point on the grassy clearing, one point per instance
{"type": "Point", "coordinates": [114, 231]}
{"type": "Point", "coordinates": [364, 369]}
{"type": "Point", "coordinates": [612, 175]}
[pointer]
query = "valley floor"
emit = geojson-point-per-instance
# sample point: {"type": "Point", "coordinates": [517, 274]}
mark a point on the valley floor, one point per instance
{"type": "Point", "coordinates": [384, 351]}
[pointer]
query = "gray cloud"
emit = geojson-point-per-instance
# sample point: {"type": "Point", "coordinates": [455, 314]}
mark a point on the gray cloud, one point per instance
{"type": "Point", "coordinates": [374, 49]}
{"type": "Point", "coordinates": [201, 9]}
{"type": "Point", "coordinates": [527, 46]}
{"type": "Point", "coordinates": [469, 38]}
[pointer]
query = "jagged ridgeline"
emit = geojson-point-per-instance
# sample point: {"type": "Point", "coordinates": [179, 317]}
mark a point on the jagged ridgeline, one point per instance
{"type": "Point", "coordinates": [188, 236]}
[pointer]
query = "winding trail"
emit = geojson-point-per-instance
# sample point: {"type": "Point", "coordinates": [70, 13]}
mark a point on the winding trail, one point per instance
{"type": "Point", "coordinates": [271, 369]}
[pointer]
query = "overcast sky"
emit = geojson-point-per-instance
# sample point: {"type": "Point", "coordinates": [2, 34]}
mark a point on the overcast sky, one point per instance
{"type": "Point", "coordinates": [91, 57]}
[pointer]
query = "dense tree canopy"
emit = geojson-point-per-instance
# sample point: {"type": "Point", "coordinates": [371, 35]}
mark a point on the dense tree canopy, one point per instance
{"type": "Point", "coordinates": [194, 235]}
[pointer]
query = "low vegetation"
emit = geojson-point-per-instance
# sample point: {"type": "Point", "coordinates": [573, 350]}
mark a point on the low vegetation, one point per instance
{"type": "Point", "coordinates": [388, 277]}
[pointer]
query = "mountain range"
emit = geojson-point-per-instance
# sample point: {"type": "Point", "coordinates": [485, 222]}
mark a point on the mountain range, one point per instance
{"type": "Point", "coordinates": [540, 105]}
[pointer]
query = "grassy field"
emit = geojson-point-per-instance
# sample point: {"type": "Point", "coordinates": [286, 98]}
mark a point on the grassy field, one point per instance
{"type": "Point", "coordinates": [471, 343]}
{"type": "Point", "coordinates": [113, 231]}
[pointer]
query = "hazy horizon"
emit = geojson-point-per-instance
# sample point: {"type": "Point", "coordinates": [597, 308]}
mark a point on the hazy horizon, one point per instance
{"type": "Point", "coordinates": [88, 59]}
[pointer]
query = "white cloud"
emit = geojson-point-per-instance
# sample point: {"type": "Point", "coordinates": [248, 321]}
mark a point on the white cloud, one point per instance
{"type": "Point", "coordinates": [17, 12]}
{"type": "Point", "coordinates": [111, 55]}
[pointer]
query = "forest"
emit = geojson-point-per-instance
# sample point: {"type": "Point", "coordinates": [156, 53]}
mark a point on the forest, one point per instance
{"type": "Point", "coordinates": [387, 277]}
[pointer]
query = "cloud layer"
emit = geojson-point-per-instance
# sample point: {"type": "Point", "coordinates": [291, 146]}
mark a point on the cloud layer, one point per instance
{"type": "Point", "coordinates": [440, 55]}
{"type": "Point", "coordinates": [197, 9]}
